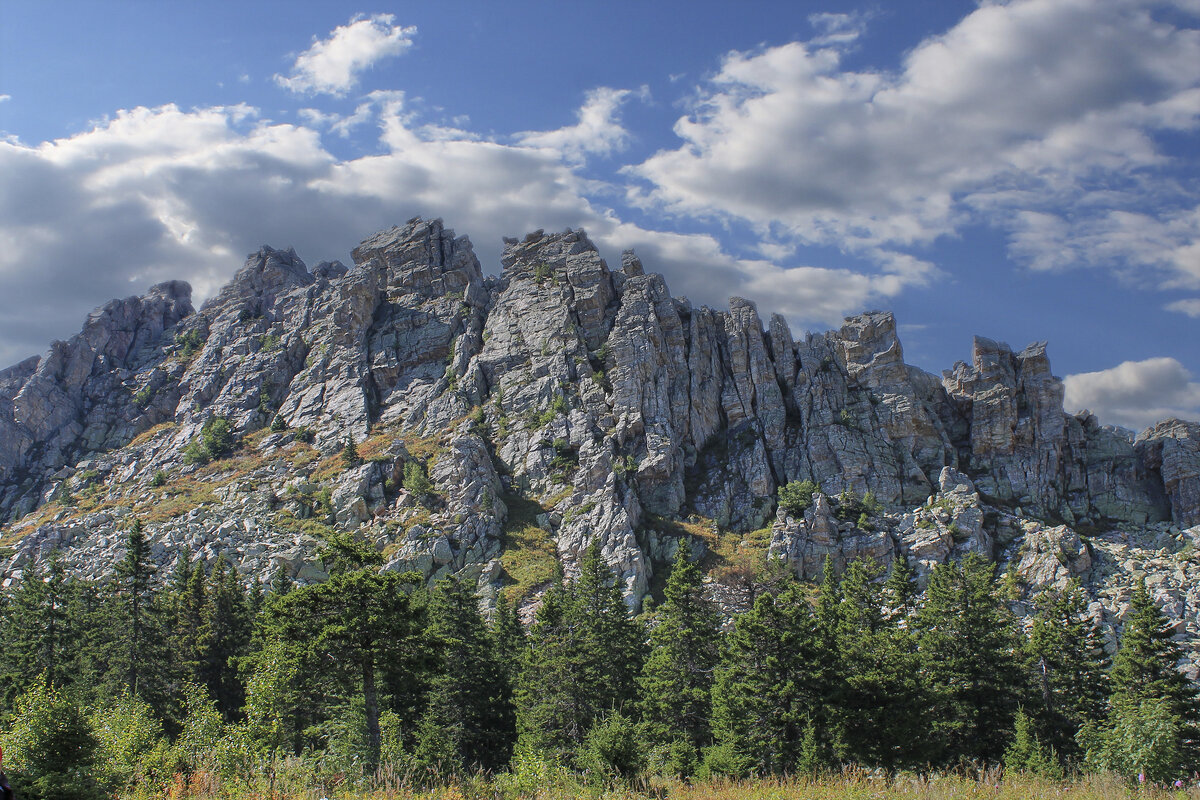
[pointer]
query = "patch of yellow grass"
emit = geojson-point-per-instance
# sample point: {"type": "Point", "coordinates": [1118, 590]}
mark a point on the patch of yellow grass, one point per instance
{"type": "Point", "coordinates": [151, 433]}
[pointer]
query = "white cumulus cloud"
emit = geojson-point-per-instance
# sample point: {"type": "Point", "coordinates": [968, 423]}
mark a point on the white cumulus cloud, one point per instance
{"type": "Point", "coordinates": [332, 66]}
{"type": "Point", "coordinates": [1037, 117]}
{"type": "Point", "coordinates": [1135, 394]}
{"type": "Point", "coordinates": [160, 193]}
{"type": "Point", "coordinates": [598, 131]}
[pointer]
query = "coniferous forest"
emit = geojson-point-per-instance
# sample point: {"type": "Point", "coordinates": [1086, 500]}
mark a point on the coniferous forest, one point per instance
{"type": "Point", "coordinates": [139, 685]}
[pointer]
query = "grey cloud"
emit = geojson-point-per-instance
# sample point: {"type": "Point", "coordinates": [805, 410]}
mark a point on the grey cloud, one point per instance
{"type": "Point", "coordinates": [1135, 394]}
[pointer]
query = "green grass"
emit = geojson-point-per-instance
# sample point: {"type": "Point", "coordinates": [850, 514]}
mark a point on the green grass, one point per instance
{"type": "Point", "coordinates": [529, 557]}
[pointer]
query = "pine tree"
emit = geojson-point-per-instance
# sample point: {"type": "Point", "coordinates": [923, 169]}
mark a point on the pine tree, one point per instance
{"type": "Point", "coordinates": [358, 634]}
{"type": "Point", "coordinates": [768, 685]}
{"type": "Point", "coordinates": [470, 702]}
{"type": "Point", "coordinates": [968, 651]}
{"type": "Point", "coordinates": [676, 683]}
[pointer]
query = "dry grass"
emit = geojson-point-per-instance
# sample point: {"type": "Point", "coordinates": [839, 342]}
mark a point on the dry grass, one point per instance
{"type": "Point", "coordinates": [852, 785]}
{"type": "Point", "coordinates": [151, 433]}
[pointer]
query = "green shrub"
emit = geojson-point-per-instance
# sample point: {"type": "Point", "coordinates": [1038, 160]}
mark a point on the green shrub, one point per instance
{"type": "Point", "coordinates": [796, 496]}
{"type": "Point", "coordinates": [159, 479]}
{"type": "Point", "coordinates": [132, 748]}
{"type": "Point", "coordinates": [50, 747]}
{"type": "Point", "coordinates": [278, 424]}
{"type": "Point", "coordinates": [415, 479]}
{"type": "Point", "coordinates": [722, 760]}
{"type": "Point", "coordinates": [1144, 736]}
{"type": "Point", "coordinates": [216, 440]}
{"type": "Point", "coordinates": [189, 343]}
{"type": "Point", "coordinates": [850, 507]}
{"type": "Point", "coordinates": [143, 396]}
{"type": "Point", "coordinates": [612, 748]}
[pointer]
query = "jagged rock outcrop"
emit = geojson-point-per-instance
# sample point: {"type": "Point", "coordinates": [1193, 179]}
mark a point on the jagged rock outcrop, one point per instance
{"type": "Point", "coordinates": [504, 423]}
{"type": "Point", "coordinates": [1172, 449]}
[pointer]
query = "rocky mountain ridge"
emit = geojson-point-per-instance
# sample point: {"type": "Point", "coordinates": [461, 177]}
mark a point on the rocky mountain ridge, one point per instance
{"type": "Point", "coordinates": [501, 424]}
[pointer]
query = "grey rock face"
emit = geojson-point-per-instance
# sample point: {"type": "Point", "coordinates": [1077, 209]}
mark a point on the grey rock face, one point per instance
{"type": "Point", "coordinates": [1172, 448]}
{"type": "Point", "coordinates": [588, 398]}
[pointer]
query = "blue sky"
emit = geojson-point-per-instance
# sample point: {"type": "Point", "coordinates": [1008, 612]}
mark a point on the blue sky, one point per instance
{"type": "Point", "coordinates": [1021, 170]}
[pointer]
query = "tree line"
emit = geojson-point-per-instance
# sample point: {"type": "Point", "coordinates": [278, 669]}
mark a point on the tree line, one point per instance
{"type": "Point", "coordinates": [136, 678]}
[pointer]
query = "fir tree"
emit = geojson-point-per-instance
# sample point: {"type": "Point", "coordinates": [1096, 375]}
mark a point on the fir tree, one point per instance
{"type": "Point", "coordinates": [1066, 662]}
{"type": "Point", "coordinates": [608, 642]}
{"type": "Point", "coordinates": [40, 635]}
{"type": "Point", "coordinates": [968, 651]}
{"type": "Point", "coordinates": [676, 682]}
{"type": "Point", "coordinates": [1028, 754]}
{"type": "Point", "coordinates": [833, 681]}
{"type": "Point", "coordinates": [900, 591]}
{"type": "Point", "coordinates": [226, 632]}
{"type": "Point", "coordinates": [1144, 669]}
{"type": "Point", "coordinates": [187, 591]}
{"type": "Point", "coordinates": [882, 703]}
{"type": "Point", "coordinates": [768, 684]}
{"type": "Point", "coordinates": [136, 634]}
{"type": "Point", "coordinates": [470, 702]}
{"type": "Point", "coordinates": [546, 696]}
{"type": "Point", "coordinates": [584, 653]}
{"type": "Point", "coordinates": [508, 639]}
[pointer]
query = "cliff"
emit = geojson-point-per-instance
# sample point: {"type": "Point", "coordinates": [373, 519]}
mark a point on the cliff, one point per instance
{"type": "Point", "coordinates": [559, 403]}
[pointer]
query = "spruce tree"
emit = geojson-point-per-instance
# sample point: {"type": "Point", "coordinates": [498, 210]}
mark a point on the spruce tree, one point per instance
{"type": "Point", "coordinates": [768, 686]}
{"type": "Point", "coordinates": [676, 683]}
{"type": "Point", "coordinates": [968, 651]}
{"type": "Point", "coordinates": [882, 701]}
{"type": "Point", "coordinates": [470, 700]}
{"type": "Point", "coordinates": [1066, 661]}
{"type": "Point", "coordinates": [1144, 670]}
